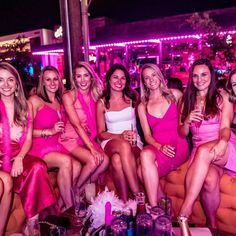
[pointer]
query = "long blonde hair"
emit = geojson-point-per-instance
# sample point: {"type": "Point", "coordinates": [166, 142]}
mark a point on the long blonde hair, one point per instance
{"type": "Point", "coordinates": [20, 103]}
{"type": "Point", "coordinates": [96, 85]}
{"type": "Point", "coordinates": [145, 92]}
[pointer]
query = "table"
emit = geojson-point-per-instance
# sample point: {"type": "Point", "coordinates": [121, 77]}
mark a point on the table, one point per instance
{"type": "Point", "coordinates": [196, 231]}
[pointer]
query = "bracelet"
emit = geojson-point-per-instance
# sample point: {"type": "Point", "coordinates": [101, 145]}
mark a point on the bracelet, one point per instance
{"type": "Point", "coordinates": [44, 133]}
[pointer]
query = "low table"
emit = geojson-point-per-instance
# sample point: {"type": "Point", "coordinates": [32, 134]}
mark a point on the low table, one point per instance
{"type": "Point", "coordinates": [196, 231]}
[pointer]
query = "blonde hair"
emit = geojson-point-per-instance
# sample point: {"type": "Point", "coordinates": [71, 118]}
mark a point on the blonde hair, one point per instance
{"type": "Point", "coordinates": [20, 103]}
{"type": "Point", "coordinates": [145, 92]}
{"type": "Point", "coordinates": [96, 84]}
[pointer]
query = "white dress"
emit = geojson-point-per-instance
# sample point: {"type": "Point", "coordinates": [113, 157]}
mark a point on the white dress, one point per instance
{"type": "Point", "coordinates": [119, 121]}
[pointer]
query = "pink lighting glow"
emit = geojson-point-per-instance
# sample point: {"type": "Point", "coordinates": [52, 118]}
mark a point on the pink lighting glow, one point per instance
{"type": "Point", "coordinates": [123, 44]}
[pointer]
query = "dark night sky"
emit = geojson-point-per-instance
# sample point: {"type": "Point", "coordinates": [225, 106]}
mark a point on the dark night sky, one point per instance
{"type": "Point", "coordinates": [23, 15]}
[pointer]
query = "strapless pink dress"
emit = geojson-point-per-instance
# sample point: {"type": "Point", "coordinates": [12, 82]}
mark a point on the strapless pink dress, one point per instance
{"type": "Point", "coordinates": [209, 131]}
{"type": "Point", "coordinates": [164, 131]}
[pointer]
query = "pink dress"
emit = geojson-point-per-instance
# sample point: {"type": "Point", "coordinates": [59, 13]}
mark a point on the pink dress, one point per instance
{"type": "Point", "coordinates": [209, 131]}
{"type": "Point", "coordinates": [70, 139]}
{"type": "Point", "coordinates": [33, 185]}
{"type": "Point", "coordinates": [45, 118]}
{"type": "Point", "coordinates": [164, 131]}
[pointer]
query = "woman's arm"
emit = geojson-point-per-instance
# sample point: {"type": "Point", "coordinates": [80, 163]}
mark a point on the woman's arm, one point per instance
{"type": "Point", "coordinates": [17, 166]}
{"type": "Point", "coordinates": [145, 127]}
{"type": "Point", "coordinates": [101, 124]}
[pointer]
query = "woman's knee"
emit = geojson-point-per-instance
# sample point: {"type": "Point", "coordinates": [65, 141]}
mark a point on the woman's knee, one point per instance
{"type": "Point", "coordinates": [211, 182]}
{"type": "Point", "coordinates": [76, 165]}
{"type": "Point", "coordinates": [116, 161]}
{"type": "Point", "coordinates": [147, 158]}
{"type": "Point", "coordinates": [125, 147]}
{"type": "Point", "coordinates": [203, 153]}
{"type": "Point", "coordinates": [7, 182]}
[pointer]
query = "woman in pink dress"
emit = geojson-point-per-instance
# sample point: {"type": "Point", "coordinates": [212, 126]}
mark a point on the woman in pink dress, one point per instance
{"type": "Point", "coordinates": [208, 113]}
{"type": "Point", "coordinates": [116, 119]}
{"type": "Point", "coordinates": [48, 126]}
{"type": "Point", "coordinates": [158, 114]}
{"type": "Point", "coordinates": [80, 133]}
{"type": "Point", "coordinates": [6, 185]}
{"type": "Point", "coordinates": [29, 173]}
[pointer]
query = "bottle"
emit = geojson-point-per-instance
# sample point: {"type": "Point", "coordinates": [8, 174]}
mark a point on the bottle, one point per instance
{"type": "Point", "coordinates": [108, 218]}
{"type": "Point", "coordinates": [128, 215]}
{"type": "Point", "coordinates": [184, 228]}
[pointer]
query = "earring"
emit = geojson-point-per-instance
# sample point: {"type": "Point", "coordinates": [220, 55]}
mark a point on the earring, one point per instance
{"type": "Point", "coordinates": [16, 93]}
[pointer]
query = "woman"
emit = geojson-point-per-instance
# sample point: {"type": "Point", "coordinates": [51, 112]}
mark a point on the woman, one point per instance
{"type": "Point", "coordinates": [80, 133]}
{"type": "Point", "coordinates": [214, 150]}
{"type": "Point", "coordinates": [6, 185]}
{"type": "Point", "coordinates": [231, 87]}
{"type": "Point", "coordinates": [158, 115]}
{"type": "Point", "coordinates": [29, 173]}
{"type": "Point", "coordinates": [116, 122]}
{"type": "Point", "coordinates": [48, 125]}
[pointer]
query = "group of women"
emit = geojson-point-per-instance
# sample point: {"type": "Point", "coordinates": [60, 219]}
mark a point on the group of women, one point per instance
{"type": "Point", "coordinates": [82, 130]}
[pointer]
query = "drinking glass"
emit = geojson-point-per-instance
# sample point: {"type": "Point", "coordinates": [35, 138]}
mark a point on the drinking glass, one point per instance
{"type": "Point", "coordinates": [156, 211]}
{"type": "Point", "coordinates": [144, 225]}
{"type": "Point", "coordinates": [140, 200]}
{"type": "Point", "coordinates": [165, 203]}
{"type": "Point", "coordinates": [118, 227]}
{"type": "Point", "coordinates": [134, 139]}
{"type": "Point", "coordinates": [79, 204]}
{"type": "Point", "coordinates": [33, 227]}
{"type": "Point", "coordinates": [163, 226]}
{"type": "Point", "coordinates": [58, 231]}
{"type": "Point", "coordinates": [200, 108]}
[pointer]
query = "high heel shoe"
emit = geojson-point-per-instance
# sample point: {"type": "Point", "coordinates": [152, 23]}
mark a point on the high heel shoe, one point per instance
{"type": "Point", "coordinates": [184, 228]}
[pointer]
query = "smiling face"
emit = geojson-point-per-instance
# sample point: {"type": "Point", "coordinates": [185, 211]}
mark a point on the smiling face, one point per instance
{"type": "Point", "coordinates": [233, 83]}
{"type": "Point", "coordinates": [151, 79]}
{"type": "Point", "coordinates": [201, 77]}
{"type": "Point", "coordinates": [82, 79]}
{"type": "Point", "coordinates": [50, 81]}
{"type": "Point", "coordinates": [117, 80]}
{"type": "Point", "coordinates": [8, 83]}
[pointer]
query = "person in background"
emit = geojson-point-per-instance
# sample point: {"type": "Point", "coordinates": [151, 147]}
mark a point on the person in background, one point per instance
{"type": "Point", "coordinates": [116, 124]}
{"type": "Point", "coordinates": [6, 186]}
{"type": "Point", "coordinates": [207, 112]}
{"type": "Point", "coordinates": [231, 87]}
{"type": "Point", "coordinates": [158, 114]}
{"type": "Point", "coordinates": [48, 126]}
{"type": "Point", "coordinates": [29, 173]}
{"type": "Point", "coordinates": [80, 133]}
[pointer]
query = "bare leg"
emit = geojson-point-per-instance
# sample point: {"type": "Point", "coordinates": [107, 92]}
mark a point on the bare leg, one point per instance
{"type": "Point", "coordinates": [196, 176]}
{"type": "Point", "coordinates": [76, 166]}
{"type": "Point", "coordinates": [90, 168]}
{"type": "Point", "coordinates": [64, 176]}
{"type": "Point", "coordinates": [210, 194]}
{"type": "Point", "coordinates": [6, 184]}
{"type": "Point", "coordinates": [119, 177]}
{"type": "Point", "coordinates": [124, 150]}
{"type": "Point", "coordinates": [150, 175]}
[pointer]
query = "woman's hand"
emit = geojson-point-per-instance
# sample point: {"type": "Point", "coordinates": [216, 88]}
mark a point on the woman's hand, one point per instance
{"type": "Point", "coordinates": [128, 135]}
{"type": "Point", "coordinates": [194, 116]}
{"type": "Point", "coordinates": [17, 167]}
{"type": "Point", "coordinates": [168, 150]}
{"type": "Point", "coordinates": [98, 156]}
{"type": "Point", "coordinates": [59, 127]}
{"type": "Point", "coordinates": [219, 149]}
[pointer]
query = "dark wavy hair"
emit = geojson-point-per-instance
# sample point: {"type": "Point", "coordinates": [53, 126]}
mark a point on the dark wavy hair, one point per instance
{"type": "Point", "coordinates": [213, 97]}
{"type": "Point", "coordinates": [232, 96]}
{"type": "Point", "coordinates": [127, 91]}
{"type": "Point", "coordinates": [41, 91]}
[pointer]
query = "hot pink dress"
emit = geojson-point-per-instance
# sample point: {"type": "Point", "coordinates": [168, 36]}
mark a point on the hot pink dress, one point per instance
{"type": "Point", "coordinates": [209, 131]}
{"type": "Point", "coordinates": [33, 185]}
{"type": "Point", "coordinates": [45, 118]}
{"type": "Point", "coordinates": [164, 131]}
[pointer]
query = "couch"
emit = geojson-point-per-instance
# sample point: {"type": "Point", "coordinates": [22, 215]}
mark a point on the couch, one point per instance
{"type": "Point", "coordinates": [173, 185]}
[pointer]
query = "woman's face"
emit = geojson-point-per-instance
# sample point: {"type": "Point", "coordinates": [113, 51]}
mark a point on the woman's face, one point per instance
{"type": "Point", "coordinates": [51, 81]}
{"type": "Point", "coordinates": [8, 83]}
{"type": "Point", "coordinates": [233, 83]}
{"type": "Point", "coordinates": [201, 77]}
{"type": "Point", "coordinates": [83, 79]}
{"type": "Point", "coordinates": [117, 80]}
{"type": "Point", "coordinates": [151, 79]}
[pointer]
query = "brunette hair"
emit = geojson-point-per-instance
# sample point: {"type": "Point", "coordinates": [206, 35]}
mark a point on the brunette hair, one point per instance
{"type": "Point", "coordinates": [20, 103]}
{"type": "Point", "coordinates": [232, 96]}
{"type": "Point", "coordinates": [213, 97]}
{"type": "Point", "coordinates": [96, 85]}
{"type": "Point", "coordinates": [127, 91]}
{"type": "Point", "coordinates": [41, 91]}
{"type": "Point", "coordinates": [145, 92]}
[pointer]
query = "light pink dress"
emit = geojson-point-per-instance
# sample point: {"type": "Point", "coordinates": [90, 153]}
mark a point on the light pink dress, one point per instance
{"type": "Point", "coordinates": [209, 131]}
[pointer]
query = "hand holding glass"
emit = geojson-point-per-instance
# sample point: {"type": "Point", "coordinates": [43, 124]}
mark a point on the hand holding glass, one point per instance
{"type": "Point", "coordinates": [200, 110]}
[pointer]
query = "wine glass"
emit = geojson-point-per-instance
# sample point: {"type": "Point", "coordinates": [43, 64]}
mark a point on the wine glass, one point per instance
{"type": "Point", "coordinates": [59, 114]}
{"type": "Point", "coordinates": [197, 124]}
